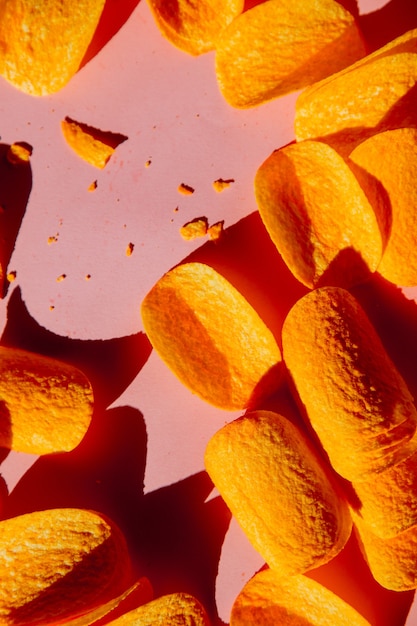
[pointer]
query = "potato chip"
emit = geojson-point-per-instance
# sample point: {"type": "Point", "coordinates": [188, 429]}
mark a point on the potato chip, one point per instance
{"type": "Point", "coordinates": [375, 94]}
{"type": "Point", "coordinates": [359, 405]}
{"type": "Point", "coordinates": [43, 43]}
{"type": "Point", "coordinates": [45, 405]}
{"type": "Point", "coordinates": [279, 490]}
{"type": "Point", "coordinates": [194, 26]}
{"type": "Point", "coordinates": [91, 144]}
{"type": "Point", "coordinates": [59, 563]}
{"type": "Point", "coordinates": [211, 337]}
{"type": "Point", "coordinates": [391, 159]}
{"type": "Point", "coordinates": [278, 47]}
{"type": "Point", "coordinates": [392, 561]}
{"type": "Point", "coordinates": [175, 609]}
{"type": "Point", "coordinates": [268, 600]}
{"type": "Point", "coordinates": [194, 229]}
{"type": "Point", "coordinates": [318, 216]}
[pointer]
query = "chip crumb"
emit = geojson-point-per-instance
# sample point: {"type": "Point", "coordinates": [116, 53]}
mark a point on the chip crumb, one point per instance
{"type": "Point", "coordinates": [194, 229]}
{"type": "Point", "coordinates": [186, 190]}
{"type": "Point", "coordinates": [19, 153]}
{"type": "Point", "coordinates": [51, 307]}
{"type": "Point", "coordinates": [148, 163]}
{"type": "Point", "coordinates": [215, 231]}
{"type": "Point", "coordinates": [129, 249]}
{"type": "Point", "coordinates": [87, 276]}
{"type": "Point", "coordinates": [11, 276]}
{"type": "Point", "coordinates": [61, 278]}
{"type": "Point", "coordinates": [53, 239]}
{"type": "Point", "coordinates": [93, 186]}
{"type": "Point", "coordinates": [222, 183]}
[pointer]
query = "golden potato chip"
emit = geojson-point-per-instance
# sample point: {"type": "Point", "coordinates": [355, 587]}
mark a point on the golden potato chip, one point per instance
{"type": "Point", "coordinates": [175, 609]}
{"type": "Point", "coordinates": [268, 600]}
{"type": "Point", "coordinates": [375, 94]}
{"type": "Point", "coordinates": [57, 564]}
{"type": "Point", "coordinates": [391, 159]}
{"type": "Point", "coordinates": [279, 490]}
{"type": "Point", "coordinates": [194, 26]}
{"type": "Point", "coordinates": [388, 505]}
{"type": "Point", "coordinates": [194, 229]}
{"type": "Point", "coordinates": [45, 405]}
{"type": "Point", "coordinates": [19, 153]}
{"type": "Point", "coordinates": [43, 43]}
{"type": "Point", "coordinates": [318, 216]}
{"type": "Point", "coordinates": [91, 144]}
{"type": "Point", "coordinates": [211, 337]}
{"type": "Point", "coordinates": [278, 46]}
{"type": "Point", "coordinates": [392, 561]}
{"type": "Point", "coordinates": [357, 402]}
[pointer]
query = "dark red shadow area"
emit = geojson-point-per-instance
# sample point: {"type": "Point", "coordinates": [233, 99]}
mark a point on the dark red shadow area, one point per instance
{"type": "Point", "coordinates": [115, 14]}
{"type": "Point", "coordinates": [15, 188]}
{"type": "Point", "coordinates": [388, 22]}
{"type": "Point", "coordinates": [111, 364]}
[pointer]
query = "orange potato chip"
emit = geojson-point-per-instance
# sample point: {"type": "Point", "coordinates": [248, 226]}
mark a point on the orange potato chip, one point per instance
{"type": "Point", "coordinates": [392, 561]}
{"type": "Point", "coordinates": [43, 43]}
{"type": "Point", "coordinates": [374, 94]}
{"type": "Point", "coordinates": [194, 229]}
{"type": "Point", "coordinates": [391, 159]}
{"type": "Point", "coordinates": [19, 153]}
{"type": "Point", "coordinates": [194, 26]}
{"type": "Point", "coordinates": [59, 563]}
{"type": "Point", "coordinates": [278, 46]}
{"type": "Point", "coordinates": [91, 144]}
{"type": "Point", "coordinates": [268, 600]}
{"type": "Point", "coordinates": [279, 490]}
{"type": "Point", "coordinates": [46, 405]}
{"type": "Point", "coordinates": [318, 216]}
{"type": "Point", "coordinates": [211, 337]}
{"type": "Point", "coordinates": [175, 609]}
{"type": "Point", "coordinates": [388, 505]}
{"type": "Point", "coordinates": [359, 406]}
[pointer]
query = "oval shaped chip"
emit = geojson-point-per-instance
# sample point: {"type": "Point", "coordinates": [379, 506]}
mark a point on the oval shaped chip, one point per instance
{"type": "Point", "coordinates": [45, 405]}
{"type": "Point", "coordinates": [277, 47]}
{"type": "Point", "coordinates": [281, 493]}
{"type": "Point", "coordinates": [176, 609]}
{"type": "Point", "coordinates": [351, 393]}
{"type": "Point", "coordinates": [318, 216]}
{"type": "Point", "coordinates": [210, 337]}
{"type": "Point", "coordinates": [59, 563]}
{"type": "Point", "coordinates": [268, 599]}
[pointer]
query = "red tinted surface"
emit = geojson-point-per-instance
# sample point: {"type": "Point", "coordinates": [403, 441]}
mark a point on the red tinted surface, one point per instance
{"type": "Point", "coordinates": [141, 462]}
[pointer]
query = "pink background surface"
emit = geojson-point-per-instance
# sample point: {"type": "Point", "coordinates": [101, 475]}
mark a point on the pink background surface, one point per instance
{"type": "Point", "coordinates": [142, 462]}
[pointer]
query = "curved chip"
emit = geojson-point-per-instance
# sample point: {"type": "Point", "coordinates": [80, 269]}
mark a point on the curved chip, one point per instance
{"type": "Point", "coordinates": [318, 216]}
{"type": "Point", "coordinates": [91, 144]}
{"type": "Point", "coordinates": [359, 405]}
{"type": "Point", "coordinates": [268, 599]}
{"type": "Point", "coordinates": [43, 43]}
{"type": "Point", "coordinates": [280, 492]}
{"type": "Point", "coordinates": [278, 47]}
{"type": "Point", "coordinates": [391, 159]}
{"type": "Point", "coordinates": [210, 337]}
{"type": "Point", "coordinates": [59, 563]}
{"type": "Point", "coordinates": [194, 26]}
{"type": "Point", "coordinates": [45, 405]}
{"type": "Point", "coordinates": [392, 561]}
{"type": "Point", "coordinates": [176, 609]}
{"type": "Point", "coordinates": [374, 94]}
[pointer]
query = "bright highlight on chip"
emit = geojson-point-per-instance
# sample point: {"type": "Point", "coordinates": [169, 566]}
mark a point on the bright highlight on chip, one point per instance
{"type": "Point", "coordinates": [211, 337]}
{"type": "Point", "coordinates": [281, 46]}
{"type": "Point", "coordinates": [318, 216]}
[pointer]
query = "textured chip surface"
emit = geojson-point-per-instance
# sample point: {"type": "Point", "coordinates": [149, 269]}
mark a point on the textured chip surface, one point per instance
{"type": "Point", "coordinates": [175, 609]}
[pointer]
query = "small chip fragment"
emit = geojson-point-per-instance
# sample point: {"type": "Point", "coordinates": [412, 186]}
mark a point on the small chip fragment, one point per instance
{"type": "Point", "coordinates": [176, 609]}
{"type": "Point", "coordinates": [318, 216]}
{"type": "Point", "coordinates": [360, 406]}
{"type": "Point", "coordinates": [222, 183]}
{"type": "Point", "coordinates": [268, 600]}
{"type": "Point", "coordinates": [210, 337]}
{"type": "Point", "coordinates": [194, 229]}
{"type": "Point", "coordinates": [93, 186]}
{"type": "Point", "coordinates": [61, 278]}
{"type": "Point", "coordinates": [278, 47]}
{"type": "Point", "coordinates": [53, 239]}
{"type": "Point", "coordinates": [43, 43]}
{"type": "Point", "coordinates": [129, 249]}
{"type": "Point", "coordinates": [215, 231]}
{"type": "Point", "coordinates": [375, 94]}
{"type": "Point", "coordinates": [194, 26]}
{"type": "Point", "coordinates": [280, 492]}
{"type": "Point", "coordinates": [46, 405]}
{"type": "Point", "coordinates": [91, 144]}
{"type": "Point", "coordinates": [59, 563]}
{"type": "Point", "coordinates": [390, 158]}
{"type": "Point", "coordinates": [11, 276]}
{"type": "Point", "coordinates": [19, 152]}
{"type": "Point", "coordinates": [186, 190]}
